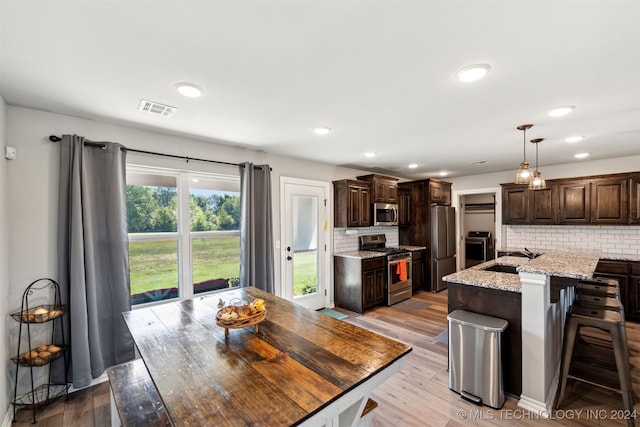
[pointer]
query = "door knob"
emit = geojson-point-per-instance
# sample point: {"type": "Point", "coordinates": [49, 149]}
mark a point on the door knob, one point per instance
{"type": "Point", "coordinates": [288, 248]}
{"type": "Point", "coordinates": [289, 258]}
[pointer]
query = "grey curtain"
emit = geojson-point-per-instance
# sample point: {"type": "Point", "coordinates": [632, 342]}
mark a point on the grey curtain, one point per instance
{"type": "Point", "coordinates": [256, 231]}
{"type": "Point", "coordinates": [93, 256]}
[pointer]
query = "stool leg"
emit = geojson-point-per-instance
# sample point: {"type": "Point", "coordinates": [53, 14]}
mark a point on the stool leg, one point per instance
{"type": "Point", "coordinates": [621, 352]}
{"type": "Point", "coordinates": [568, 342]}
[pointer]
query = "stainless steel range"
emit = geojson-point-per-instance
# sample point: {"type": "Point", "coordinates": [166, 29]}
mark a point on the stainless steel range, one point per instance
{"type": "Point", "coordinates": [398, 266]}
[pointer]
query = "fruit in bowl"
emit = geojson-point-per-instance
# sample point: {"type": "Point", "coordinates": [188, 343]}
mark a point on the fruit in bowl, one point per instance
{"type": "Point", "coordinates": [256, 306]}
{"type": "Point", "coordinates": [241, 310]}
{"type": "Point", "coordinates": [228, 316]}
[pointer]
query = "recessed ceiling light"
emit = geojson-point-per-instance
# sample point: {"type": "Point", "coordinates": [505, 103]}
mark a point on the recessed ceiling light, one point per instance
{"type": "Point", "coordinates": [321, 130]}
{"type": "Point", "coordinates": [189, 90]}
{"type": "Point", "coordinates": [443, 173]}
{"type": "Point", "coordinates": [561, 111]}
{"type": "Point", "coordinates": [473, 72]}
{"type": "Point", "coordinates": [581, 155]}
{"type": "Point", "coordinates": [370, 154]}
{"type": "Point", "coordinates": [412, 165]}
{"type": "Point", "coordinates": [576, 138]}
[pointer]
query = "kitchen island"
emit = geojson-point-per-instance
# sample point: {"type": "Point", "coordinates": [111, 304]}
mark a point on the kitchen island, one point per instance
{"type": "Point", "coordinates": [496, 294]}
{"type": "Point", "coordinates": [301, 367]}
{"type": "Point", "coordinates": [534, 298]}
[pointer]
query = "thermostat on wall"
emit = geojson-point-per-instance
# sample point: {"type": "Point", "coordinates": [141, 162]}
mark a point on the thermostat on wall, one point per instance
{"type": "Point", "coordinates": [10, 152]}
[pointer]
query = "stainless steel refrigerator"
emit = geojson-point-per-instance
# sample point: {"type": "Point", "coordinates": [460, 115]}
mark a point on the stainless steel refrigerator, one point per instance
{"type": "Point", "coordinates": [443, 245]}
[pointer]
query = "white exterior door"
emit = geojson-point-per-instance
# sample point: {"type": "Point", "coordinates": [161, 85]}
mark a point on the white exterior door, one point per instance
{"type": "Point", "coordinates": [305, 242]}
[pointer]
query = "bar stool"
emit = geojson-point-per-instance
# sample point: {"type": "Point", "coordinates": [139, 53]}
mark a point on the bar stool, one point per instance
{"type": "Point", "coordinates": [604, 281]}
{"type": "Point", "coordinates": [597, 301]}
{"type": "Point", "coordinates": [610, 321]}
{"type": "Point", "coordinates": [607, 290]}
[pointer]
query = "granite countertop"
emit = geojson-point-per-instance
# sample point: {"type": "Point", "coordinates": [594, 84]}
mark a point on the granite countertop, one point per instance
{"type": "Point", "coordinates": [413, 248]}
{"type": "Point", "coordinates": [603, 255]}
{"type": "Point", "coordinates": [360, 254]}
{"type": "Point", "coordinates": [374, 254]}
{"type": "Point", "coordinates": [478, 276]}
{"type": "Point", "coordinates": [572, 263]}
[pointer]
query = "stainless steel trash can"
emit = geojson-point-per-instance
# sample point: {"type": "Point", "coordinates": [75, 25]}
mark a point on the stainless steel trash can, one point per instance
{"type": "Point", "coordinates": [475, 357]}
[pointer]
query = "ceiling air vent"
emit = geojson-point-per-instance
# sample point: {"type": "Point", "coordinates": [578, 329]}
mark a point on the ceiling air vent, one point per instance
{"type": "Point", "coordinates": [156, 108]}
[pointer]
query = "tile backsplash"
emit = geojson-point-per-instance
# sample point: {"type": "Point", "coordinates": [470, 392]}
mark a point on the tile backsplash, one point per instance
{"type": "Point", "coordinates": [343, 242]}
{"type": "Point", "coordinates": [612, 241]}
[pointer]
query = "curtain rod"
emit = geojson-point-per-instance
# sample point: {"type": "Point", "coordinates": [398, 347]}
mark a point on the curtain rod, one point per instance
{"type": "Point", "coordinates": [54, 138]}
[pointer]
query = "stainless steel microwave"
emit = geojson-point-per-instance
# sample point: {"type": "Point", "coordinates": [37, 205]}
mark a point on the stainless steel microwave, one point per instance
{"type": "Point", "coordinates": [385, 214]}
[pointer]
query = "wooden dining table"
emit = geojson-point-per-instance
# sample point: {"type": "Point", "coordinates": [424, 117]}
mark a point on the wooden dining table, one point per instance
{"type": "Point", "coordinates": [301, 367]}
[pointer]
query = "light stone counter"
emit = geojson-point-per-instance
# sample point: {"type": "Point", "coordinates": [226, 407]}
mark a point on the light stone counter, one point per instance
{"type": "Point", "coordinates": [360, 254]}
{"type": "Point", "coordinates": [478, 276]}
{"type": "Point", "coordinates": [413, 248]}
{"type": "Point", "coordinates": [573, 263]}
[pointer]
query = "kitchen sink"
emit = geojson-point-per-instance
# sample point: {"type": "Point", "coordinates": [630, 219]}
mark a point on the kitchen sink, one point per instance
{"type": "Point", "coordinates": [501, 268]}
{"type": "Point", "coordinates": [525, 254]}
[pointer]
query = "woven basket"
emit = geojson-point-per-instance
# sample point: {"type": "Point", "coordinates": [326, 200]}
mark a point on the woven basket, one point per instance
{"type": "Point", "coordinates": [245, 322]}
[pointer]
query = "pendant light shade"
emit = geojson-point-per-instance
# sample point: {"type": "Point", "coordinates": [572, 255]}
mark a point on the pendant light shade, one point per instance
{"type": "Point", "coordinates": [523, 174]}
{"type": "Point", "coordinates": [537, 181]}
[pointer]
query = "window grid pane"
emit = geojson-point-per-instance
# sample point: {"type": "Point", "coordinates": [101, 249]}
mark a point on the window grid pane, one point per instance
{"type": "Point", "coordinates": [216, 262]}
{"type": "Point", "coordinates": [153, 271]}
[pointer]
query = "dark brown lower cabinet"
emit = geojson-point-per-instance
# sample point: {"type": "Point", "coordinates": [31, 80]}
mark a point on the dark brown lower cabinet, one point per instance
{"type": "Point", "coordinates": [627, 273]}
{"type": "Point", "coordinates": [417, 270]}
{"type": "Point", "coordinates": [359, 283]}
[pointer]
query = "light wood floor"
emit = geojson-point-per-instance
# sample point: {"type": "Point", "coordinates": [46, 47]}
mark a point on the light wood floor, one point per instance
{"type": "Point", "coordinates": [418, 395]}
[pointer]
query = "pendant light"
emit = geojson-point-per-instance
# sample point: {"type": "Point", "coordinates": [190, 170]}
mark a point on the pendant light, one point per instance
{"type": "Point", "coordinates": [537, 180]}
{"type": "Point", "coordinates": [523, 175]}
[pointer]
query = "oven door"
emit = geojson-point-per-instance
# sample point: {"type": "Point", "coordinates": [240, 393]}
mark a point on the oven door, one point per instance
{"type": "Point", "coordinates": [399, 280]}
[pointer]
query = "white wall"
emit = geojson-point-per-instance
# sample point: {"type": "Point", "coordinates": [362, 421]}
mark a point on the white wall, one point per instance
{"type": "Point", "coordinates": [5, 393]}
{"type": "Point", "coordinates": [613, 241]}
{"type": "Point", "coordinates": [33, 180]}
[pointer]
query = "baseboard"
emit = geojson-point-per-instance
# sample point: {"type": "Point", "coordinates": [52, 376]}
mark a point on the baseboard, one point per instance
{"type": "Point", "coordinates": [535, 406]}
{"type": "Point", "coordinates": [542, 409]}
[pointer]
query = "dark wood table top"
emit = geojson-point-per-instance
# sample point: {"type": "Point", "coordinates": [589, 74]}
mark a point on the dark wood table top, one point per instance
{"type": "Point", "coordinates": [299, 361]}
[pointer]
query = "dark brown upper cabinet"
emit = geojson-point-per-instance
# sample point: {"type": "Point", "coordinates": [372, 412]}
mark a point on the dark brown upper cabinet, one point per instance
{"type": "Point", "coordinates": [574, 203]}
{"type": "Point", "coordinates": [352, 203]}
{"type": "Point", "coordinates": [515, 204]}
{"type": "Point", "coordinates": [385, 188]}
{"type": "Point", "coordinates": [543, 206]}
{"type": "Point", "coordinates": [634, 198]}
{"type": "Point", "coordinates": [440, 192]}
{"type": "Point", "coordinates": [610, 201]}
{"type": "Point", "coordinates": [597, 200]}
{"type": "Point", "coordinates": [404, 207]}
{"type": "Point", "coordinates": [523, 206]}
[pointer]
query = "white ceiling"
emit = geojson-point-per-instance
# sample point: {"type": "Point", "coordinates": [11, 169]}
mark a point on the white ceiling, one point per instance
{"type": "Point", "coordinates": [379, 73]}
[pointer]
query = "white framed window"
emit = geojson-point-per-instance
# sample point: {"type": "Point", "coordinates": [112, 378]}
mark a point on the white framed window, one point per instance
{"type": "Point", "coordinates": [184, 233]}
